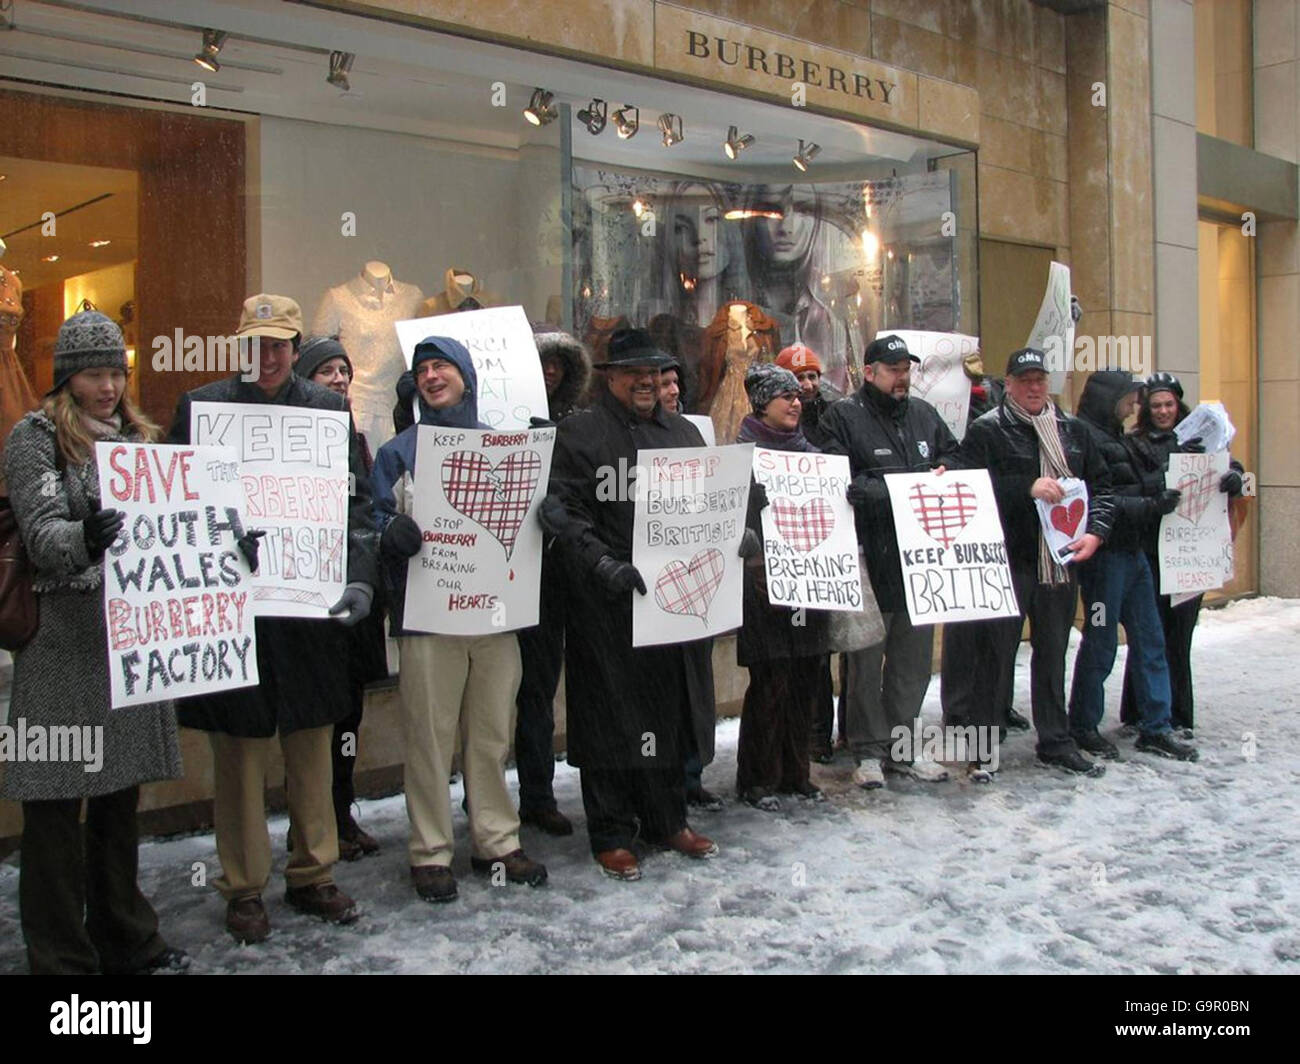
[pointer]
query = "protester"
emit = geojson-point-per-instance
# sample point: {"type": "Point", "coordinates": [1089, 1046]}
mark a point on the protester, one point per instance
{"type": "Point", "coordinates": [617, 694]}
{"type": "Point", "coordinates": [1027, 444]}
{"type": "Point", "coordinates": [1150, 444]}
{"type": "Point", "coordinates": [304, 687]}
{"type": "Point", "coordinates": [1118, 587]}
{"type": "Point", "coordinates": [672, 392]}
{"type": "Point", "coordinates": [786, 654]}
{"type": "Point", "coordinates": [324, 361]}
{"type": "Point", "coordinates": [883, 430]}
{"type": "Point", "coordinates": [80, 905]}
{"type": "Point", "coordinates": [454, 689]}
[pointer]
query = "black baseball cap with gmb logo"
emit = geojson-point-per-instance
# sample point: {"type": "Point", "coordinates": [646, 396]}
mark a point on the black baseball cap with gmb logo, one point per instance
{"type": "Point", "coordinates": [888, 349]}
{"type": "Point", "coordinates": [1026, 359]}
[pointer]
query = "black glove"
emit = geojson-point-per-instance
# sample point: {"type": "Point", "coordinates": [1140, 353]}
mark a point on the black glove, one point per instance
{"type": "Point", "coordinates": [1231, 482]}
{"type": "Point", "coordinates": [1153, 483]}
{"type": "Point", "coordinates": [1076, 310]}
{"type": "Point", "coordinates": [1167, 501]}
{"type": "Point", "coordinates": [618, 577]}
{"type": "Point", "coordinates": [866, 490]}
{"type": "Point", "coordinates": [248, 545]}
{"type": "Point", "coordinates": [540, 423]}
{"type": "Point", "coordinates": [402, 537]}
{"type": "Point", "coordinates": [100, 529]}
{"type": "Point", "coordinates": [406, 388]}
{"type": "Point", "coordinates": [354, 606]}
{"type": "Point", "coordinates": [1193, 446]}
{"type": "Point", "coordinates": [750, 544]}
{"type": "Point", "coordinates": [758, 494]}
{"type": "Point", "coordinates": [554, 517]}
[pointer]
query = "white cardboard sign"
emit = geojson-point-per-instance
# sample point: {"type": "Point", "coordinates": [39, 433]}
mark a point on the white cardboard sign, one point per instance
{"type": "Point", "coordinates": [940, 377]}
{"type": "Point", "coordinates": [1065, 521]}
{"type": "Point", "coordinates": [1053, 331]}
{"type": "Point", "coordinates": [1195, 549]}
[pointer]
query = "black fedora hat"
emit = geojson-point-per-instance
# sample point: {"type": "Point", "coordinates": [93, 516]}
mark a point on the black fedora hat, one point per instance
{"type": "Point", "coordinates": [634, 348]}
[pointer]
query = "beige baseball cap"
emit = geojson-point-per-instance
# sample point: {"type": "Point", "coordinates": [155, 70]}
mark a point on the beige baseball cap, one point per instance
{"type": "Point", "coordinates": [278, 317]}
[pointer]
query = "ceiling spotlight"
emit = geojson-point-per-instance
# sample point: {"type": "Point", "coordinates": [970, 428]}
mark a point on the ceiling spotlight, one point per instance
{"type": "Point", "coordinates": [541, 108]}
{"type": "Point", "coordinates": [640, 205]}
{"type": "Point", "coordinates": [340, 64]}
{"type": "Point", "coordinates": [627, 120]}
{"type": "Point", "coordinates": [740, 214]}
{"type": "Point", "coordinates": [50, 258]}
{"type": "Point", "coordinates": [808, 151]}
{"type": "Point", "coordinates": [100, 243]}
{"type": "Point", "coordinates": [212, 44]}
{"type": "Point", "coordinates": [670, 126]}
{"type": "Point", "coordinates": [734, 144]}
{"type": "Point", "coordinates": [593, 116]}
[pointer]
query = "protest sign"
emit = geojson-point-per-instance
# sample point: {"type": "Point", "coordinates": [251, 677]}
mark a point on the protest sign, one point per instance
{"type": "Point", "coordinates": [940, 377]}
{"type": "Point", "coordinates": [500, 342]}
{"type": "Point", "coordinates": [293, 468]}
{"type": "Point", "coordinates": [809, 542]}
{"type": "Point", "coordinates": [479, 569]}
{"type": "Point", "coordinates": [950, 547]}
{"type": "Point", "coordinates": [1195, 547]}
{"type": "Point", "coordinates": [1065, 521]}
{"type": "Point", "coordinates": [177, 601]}
{"type": "Point", "coordinates": [1209, 423]}
{"type": "Point", "coordinates": [1053, 331]}
{"type": "Point", "coordinates": [690, 516]}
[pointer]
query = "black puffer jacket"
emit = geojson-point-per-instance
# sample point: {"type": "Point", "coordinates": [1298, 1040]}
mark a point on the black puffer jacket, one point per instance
{"type": "Point", "coordinates": [1008, 449]}
{"type": "Point", "coordinates": [1135, 504]}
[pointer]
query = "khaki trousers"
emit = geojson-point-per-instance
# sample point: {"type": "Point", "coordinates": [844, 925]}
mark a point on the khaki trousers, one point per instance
{"type": "Point", "coordinates": [243, 843]}
{"type": "Point", "coordinates": [459, 689]}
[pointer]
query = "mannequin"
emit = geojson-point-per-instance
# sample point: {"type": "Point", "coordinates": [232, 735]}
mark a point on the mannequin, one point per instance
{"type": "Point", "coordinates": [461, 290]}
{"type": "Point", "coordinates": [16, 395]}
{"type": "Point", "coordinates": [739, 335]}
{"type": "Point", "coordinates": [361, 313]}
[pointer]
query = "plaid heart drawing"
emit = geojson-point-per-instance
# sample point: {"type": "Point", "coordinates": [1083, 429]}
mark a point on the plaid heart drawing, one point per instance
{"type": "Point", "coordinates": [496, 497]}
{"type": "Point", "coordinates": [689, 587]}
{"type": "Point", "coordinates": [1065, 519]}
{"type": "Point", "coordinates": [943, 515]}
{"type": "Point", "coordinates": [928, 374]}
{"type": "Point", "coordinates": [1197, 493]}
{"type": "Point", "coordinates": [803, 527]}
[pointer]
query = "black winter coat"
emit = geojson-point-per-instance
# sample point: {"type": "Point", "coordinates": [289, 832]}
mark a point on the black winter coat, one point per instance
{"type": "Point", "coordinates": [1008, 449]}
{"type": "Point", "coordinates": [303, 665]}
{"type": "Point", "coordinates": [616, 693]}
{"type": "Point", "coordinates": [881, 435]}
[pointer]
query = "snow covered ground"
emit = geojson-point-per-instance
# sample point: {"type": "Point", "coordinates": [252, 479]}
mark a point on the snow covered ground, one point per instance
{"type": "Point", "coordinates": [1157, 867]}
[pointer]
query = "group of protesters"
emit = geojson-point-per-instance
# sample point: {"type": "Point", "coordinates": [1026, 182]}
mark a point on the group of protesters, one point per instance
{"type": "Point", "coordinates": [640, 720]}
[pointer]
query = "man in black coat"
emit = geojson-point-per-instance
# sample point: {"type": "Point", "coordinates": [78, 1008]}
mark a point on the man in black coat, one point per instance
{"type": "Point", "coordinates": [883, 430]}
{"type": "Point", "coordinates": [1027, 444]}
{"type": "Point", "coordinates": [631, 710]}
{"type": "Point", "coordinates": [303, 670]}
{"type": "Point", "coordinates": [1118, 587]}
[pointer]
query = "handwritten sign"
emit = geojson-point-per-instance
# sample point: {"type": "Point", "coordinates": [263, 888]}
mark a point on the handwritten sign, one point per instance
{"type": "Point", "coordinates": [810, 546]}
{"type": "Point", "coordinates": [1065, 521]}
{"type": "Point", "coordinates": [293, 468]}
{"type": "Point", "coordinates": [479, 569]}
{"type": "Point", "coordinates": [940, 377]}
{"type": "Point", "coordinates": [690, 517]}
{"type": "Point", "coordinates": [177, 591]}
{"type": "Point", "coordinates": [1195, 548]}
{"type": "Point", "coordinates": [500, 342]}
{"type": "Point", "coordinates": [950, 546]}
{"type": "Point", "coordinates": [1053, 331]}
{"type": "Point", "coordinates": [1209, 423]}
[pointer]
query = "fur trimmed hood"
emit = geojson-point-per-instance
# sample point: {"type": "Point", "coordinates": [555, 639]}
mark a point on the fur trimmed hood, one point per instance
{"type": "Point", "coordinates": [553, 342]}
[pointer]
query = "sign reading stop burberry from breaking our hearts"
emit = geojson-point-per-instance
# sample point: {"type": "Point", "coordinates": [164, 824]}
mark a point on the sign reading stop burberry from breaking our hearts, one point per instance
{"type": "Point", "coordinates": [810, 545]}
{"type": "Point", "coordinates": [293, 468]}
{"type": "Point", "coordinates": [177, 591]}
{"type": "Point", "coordinates": [1196, 539]}
{"type": "Point", "coordinates": [951, 548]}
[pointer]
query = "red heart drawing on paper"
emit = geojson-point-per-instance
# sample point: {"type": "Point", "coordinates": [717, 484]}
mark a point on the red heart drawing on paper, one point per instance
{"type": "Point", "coordinates": [1065, 519]}
{"type": "Point", "coordinates": [496, 497]}
{"type": "Point", "coordinates": [942, 516]}
{"type": "Point", "coordinates": [1197, 493]}
{"type": "Point", "coordinates": [928, 374]}
{"type": "Point", "coordinates": [803, 527]}
{"type": "Point", "coordinates": [688, 587]}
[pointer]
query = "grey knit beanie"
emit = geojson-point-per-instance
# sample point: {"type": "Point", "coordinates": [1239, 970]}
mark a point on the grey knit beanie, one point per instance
{"type": "Point", "coordinates": [87, 340]}
{"type": "Point", "coordinates": [765, 381]}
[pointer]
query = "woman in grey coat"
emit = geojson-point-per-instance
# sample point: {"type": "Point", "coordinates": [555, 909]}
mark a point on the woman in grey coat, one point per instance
{"type": "Point", "coordinates": [82, 911]}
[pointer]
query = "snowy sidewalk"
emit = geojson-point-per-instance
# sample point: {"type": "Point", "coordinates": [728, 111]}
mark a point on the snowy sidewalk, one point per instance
{"type": "Point", "coordinates": [1157, 867]}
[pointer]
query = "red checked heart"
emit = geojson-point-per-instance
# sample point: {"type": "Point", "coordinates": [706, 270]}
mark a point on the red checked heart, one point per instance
{"type": "Point", "coordinates": [1197, 491]}
{"type": "Point", "coordinates": [942, 516]}
{"type": "Point", "coordinates": [496, 497]}
{"type": "Point", "coordinates": [1066, 519]}
{"type": "Point", "coordinates": [928, 374]}
{"type": "Point", "coordinates": [688, 587]}
{"type": "Point", "coordinates": [803, 527]}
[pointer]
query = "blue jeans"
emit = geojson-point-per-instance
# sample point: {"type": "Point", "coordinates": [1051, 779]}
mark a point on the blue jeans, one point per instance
{"type": "Point", "coordinates": [1119, 581]}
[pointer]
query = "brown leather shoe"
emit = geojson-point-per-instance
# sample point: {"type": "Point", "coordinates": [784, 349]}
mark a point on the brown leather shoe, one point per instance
{"type": "Point", "coordinates": [434, 883]}
{"type": "Point", "coordinates": [688, 842]}
{"type": "Point", "coordinates": [619, 864]}
{"type": "Point", "coordinates": [247, 921]}
{"type": "Point", "coordinates": [551, 821]}
{"type": "Point", "coordinates": [323, 900]}
{"type": "Point", "coordinates": [518, 867]}
{"type": "Point", "coordinates": [354, 843]}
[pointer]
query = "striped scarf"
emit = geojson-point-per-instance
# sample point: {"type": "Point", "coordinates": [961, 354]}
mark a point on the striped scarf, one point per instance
{"type": "Point", "coordinates": [1051, 463]}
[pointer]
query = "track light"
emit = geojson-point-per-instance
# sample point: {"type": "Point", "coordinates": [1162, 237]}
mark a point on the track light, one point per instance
{"type": "Point", "coordinates": [340, 65]}
{"type": "Point", "coordinates": [593, 116]}
{"type": "Point", "coordinates": [734, 144]}
{"type": "Point", "coordinates": [627, 120]}
{"type": "Point", "coordinates": [808, 151]}
{"type": "Point", "coordinates": [213, 40]}
{"type": "Point", "coordinates": [670, 126]}
{"type": "Point", "coordinates": [541, 108]}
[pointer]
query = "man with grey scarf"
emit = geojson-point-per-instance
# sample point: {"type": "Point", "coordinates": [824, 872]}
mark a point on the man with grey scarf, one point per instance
{"type": "Point", "coordinates": [1028, 444]}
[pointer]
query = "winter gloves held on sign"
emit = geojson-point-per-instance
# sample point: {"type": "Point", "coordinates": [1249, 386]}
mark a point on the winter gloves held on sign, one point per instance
{"type": "Point", "coordinates": [618, 578]}
{"type": "Point", "coordinates": [1231, 482]}
{"type": "Point", "coordinates": [1167, 501]}
{"type": "Point", "coordinates": [402, 537]}
{"type": "Point", "coordinates": [1193, 446]}
{"type": "Point", "coordinates": [248, 547]}
{"type": "Point", "coordinates": [354, 606]}
{"type": "Point", "coordinates": [100, 529]}
{"type": "Point", "coordinates": [554, 517]}
{"type": "Point", "coordinates": [750, 544]}
{"type": "Point", "coordinates": [866, 490]}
